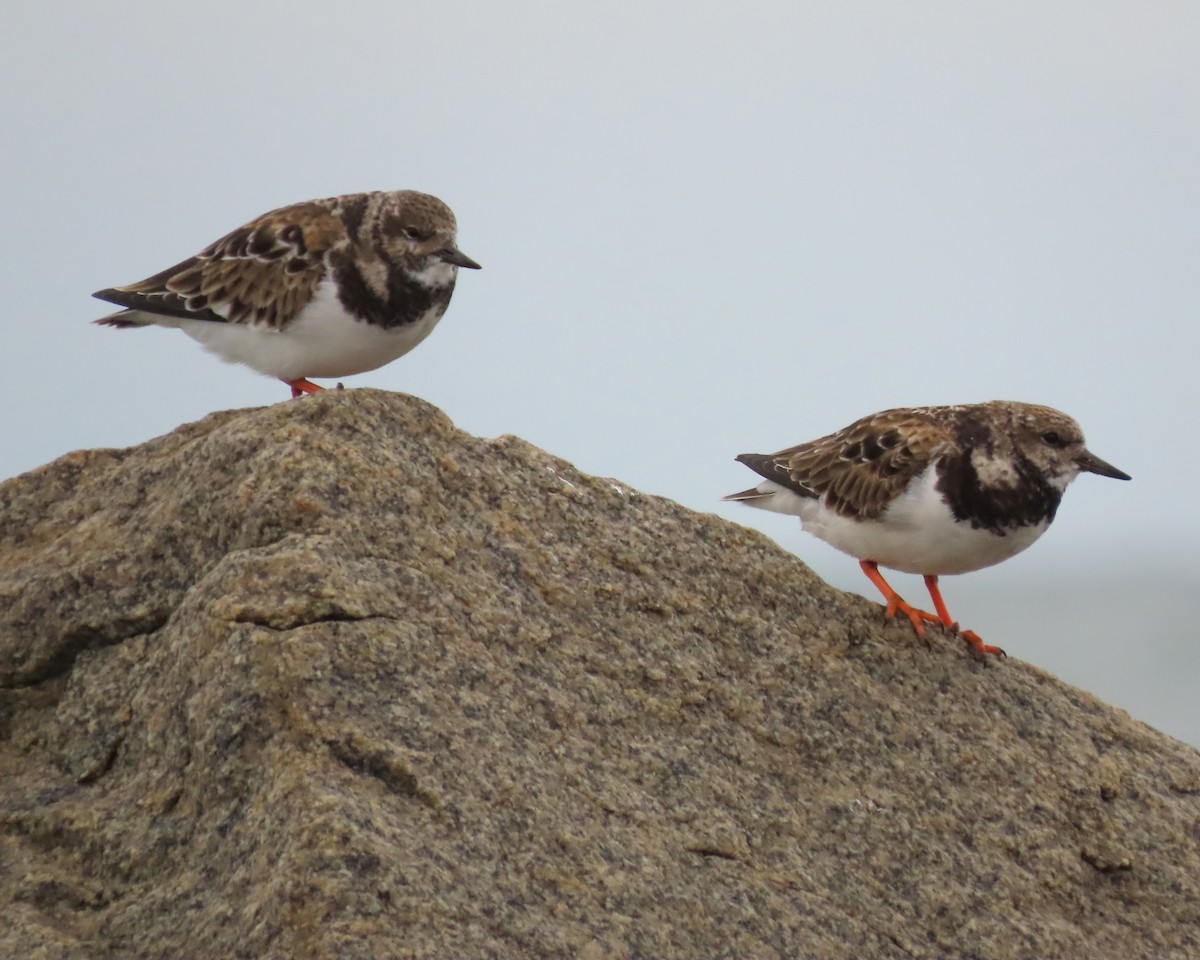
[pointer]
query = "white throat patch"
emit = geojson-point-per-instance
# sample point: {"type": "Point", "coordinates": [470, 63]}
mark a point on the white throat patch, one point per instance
{"type": "Point", "coordinates": [436, 275]}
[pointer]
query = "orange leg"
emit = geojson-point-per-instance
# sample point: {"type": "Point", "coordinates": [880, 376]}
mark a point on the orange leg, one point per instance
{"type": "Point", "coordinates": [972, 638]}
{"type": "Point", "coordinates": [894, 601]}
{"type": "Point", "coordinates": [302, 386]}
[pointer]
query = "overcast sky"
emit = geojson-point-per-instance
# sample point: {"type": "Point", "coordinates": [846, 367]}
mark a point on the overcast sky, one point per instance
{"type": "Point", "coordinates": [706, 228]}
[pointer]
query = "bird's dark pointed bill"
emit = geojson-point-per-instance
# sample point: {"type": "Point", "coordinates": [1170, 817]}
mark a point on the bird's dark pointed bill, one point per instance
{"type": "Point", "coordinates": [1091, 463]}
{"type": "Point", "coordinates": [451, 254]}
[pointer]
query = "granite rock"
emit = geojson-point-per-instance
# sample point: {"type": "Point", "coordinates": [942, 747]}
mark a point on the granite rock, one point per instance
{"type": "Point", "coordinates": [335, 679]}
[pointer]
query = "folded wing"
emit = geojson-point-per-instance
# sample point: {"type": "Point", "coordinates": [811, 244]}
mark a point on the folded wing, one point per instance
{"type": "Point", "coordinates": [262, 273]}
{"type": "Point", "coordinates": [858, 470]}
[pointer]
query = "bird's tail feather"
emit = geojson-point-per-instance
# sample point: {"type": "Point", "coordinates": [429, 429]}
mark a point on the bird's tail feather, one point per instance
{"type": "Point", "coordinates": [752, 494]}
{"type": "Point", "coordinates": [123, 319]}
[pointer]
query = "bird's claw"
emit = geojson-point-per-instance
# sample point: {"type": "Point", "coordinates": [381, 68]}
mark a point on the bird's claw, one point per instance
{"type": "Point", "coordinates": [916, 617]}
{"type": "Point", "coordinates": [978, 647]}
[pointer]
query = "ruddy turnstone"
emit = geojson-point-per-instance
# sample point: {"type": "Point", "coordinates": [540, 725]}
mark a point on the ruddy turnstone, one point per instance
{"type": "Point", "coordinates": [323, 288]}
{"type": "Point", "coordinates": [929, 490]}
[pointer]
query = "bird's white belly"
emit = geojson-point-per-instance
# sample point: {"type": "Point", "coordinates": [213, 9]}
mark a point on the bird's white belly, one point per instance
{"type": "Point", "coordinates": [916, 534]}
{"type": "Point", "coordinates": [323, 341]}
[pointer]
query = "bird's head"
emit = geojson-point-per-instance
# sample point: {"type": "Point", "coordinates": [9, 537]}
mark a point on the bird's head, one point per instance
{"type": "Point", "coordinates": [1053, 443]}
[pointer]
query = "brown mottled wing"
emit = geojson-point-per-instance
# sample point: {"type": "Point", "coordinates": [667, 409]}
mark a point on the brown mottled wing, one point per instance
{"type": "Point", "coordinates": [857, 471]}
{"type": "Point", "coordinates": [264, 272]}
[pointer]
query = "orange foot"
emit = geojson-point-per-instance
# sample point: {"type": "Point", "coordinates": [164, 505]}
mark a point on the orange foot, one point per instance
{"type": "Point", "coordinates": [974, 641]}
{"type": "Point", "coordinates": [980, 648]}
{"type": "Point", "coordinates": [302, 386]}
{"type": "Point", "coordinates": [896, 603]}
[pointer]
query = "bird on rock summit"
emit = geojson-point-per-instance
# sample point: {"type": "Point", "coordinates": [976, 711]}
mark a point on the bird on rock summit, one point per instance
{"type": "Point", "coordinates": [323, 288]}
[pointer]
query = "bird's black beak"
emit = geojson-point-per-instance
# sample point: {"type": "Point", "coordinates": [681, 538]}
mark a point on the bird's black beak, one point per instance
{"type": "Point", "coordinates": [1090, 463]}
{"type": "Point", "coordinates": [451, 254]}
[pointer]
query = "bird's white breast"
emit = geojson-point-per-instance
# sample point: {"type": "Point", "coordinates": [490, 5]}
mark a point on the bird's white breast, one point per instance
{"type": "Point", "coordinates": [323, 341]}
{"type": "Point", "coordinates": [917, 533]}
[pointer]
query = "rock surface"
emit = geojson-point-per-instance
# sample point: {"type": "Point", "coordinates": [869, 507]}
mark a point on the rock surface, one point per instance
{"type": "Point", "coordinates": [334, 679]}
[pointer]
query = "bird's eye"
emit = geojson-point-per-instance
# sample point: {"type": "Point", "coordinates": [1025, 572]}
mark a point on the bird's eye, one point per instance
{"type": "Point", "coordinates": [1053, 438]}
{"type": "Point", "coordinates": [412, 233]}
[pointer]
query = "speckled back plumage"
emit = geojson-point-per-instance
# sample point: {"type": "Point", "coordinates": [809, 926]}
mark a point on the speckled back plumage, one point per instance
{"type": "Point", "coordinates": [861, 468]}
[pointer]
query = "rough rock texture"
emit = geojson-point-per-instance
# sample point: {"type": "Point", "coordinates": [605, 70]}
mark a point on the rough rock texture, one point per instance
{"type": "Point", "coordinates": [333, 679]}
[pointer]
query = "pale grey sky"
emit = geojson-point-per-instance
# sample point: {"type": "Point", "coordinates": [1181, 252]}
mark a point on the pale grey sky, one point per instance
{"type": "Point", "coordinates": [706, 228]}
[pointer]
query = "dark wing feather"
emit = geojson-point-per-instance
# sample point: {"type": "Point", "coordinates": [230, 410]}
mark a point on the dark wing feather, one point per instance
{"type": "Point", "coordinates": [264, 272]}
{"type": "Point", "coordinates": [859, 470]}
